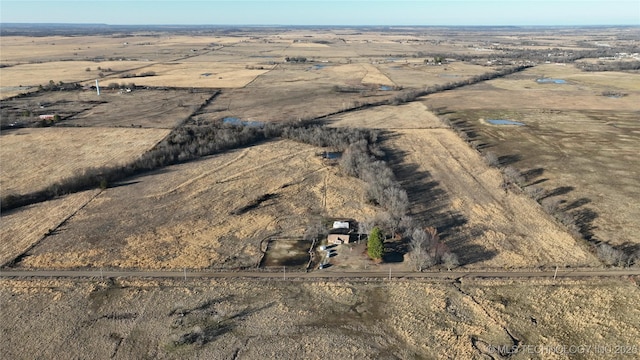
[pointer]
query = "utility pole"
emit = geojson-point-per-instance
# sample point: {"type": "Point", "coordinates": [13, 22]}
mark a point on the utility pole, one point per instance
{"type": "Point", "coordinates": [555, 273]}
{"type": "Point", "coordinates": [284, 273]}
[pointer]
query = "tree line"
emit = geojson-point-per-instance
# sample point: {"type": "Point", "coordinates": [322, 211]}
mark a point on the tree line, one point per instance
{"type": "Point", "coordinates": [363, 158]}
{"type": "Point", "coordinates": [182, 144]}
{"type": "Point", "coordinates": [609, 66]}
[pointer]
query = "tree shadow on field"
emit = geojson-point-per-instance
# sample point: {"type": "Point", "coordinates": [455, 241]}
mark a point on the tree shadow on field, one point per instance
{"type": "Point", "coordinates": [394, 251]}
{"type": "Point", "coordinates": [429, 202]}
{"type": "Point", "coordinates": [576, 204]}
{"type": "Point", "coordinates": [531, 174]}
{"type": "Point", "coordinates": [123, 183]}
{"type": "Point", "coordinates": [506, 160]}
{"type": "Point", "coordinates": [584, 219]}
{"type": "Point", "coordinates": [471, 253]}
{"type": "Point", "coordinates": [561, 190]}
{"type": "Point", "coordinates": [430, 205]}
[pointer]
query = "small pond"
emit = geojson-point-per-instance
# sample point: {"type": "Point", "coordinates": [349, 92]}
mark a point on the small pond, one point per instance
{"type": "Point", "coordinates": [504, 122]}
{"type": "Point", "coordinates": [550, 81]}
{"type": "Point", "coordinates": [385, 88]}
{"type": "Point", "coordinates": [331, 155]}
{"type": "Point", "coordinates": [238, 122]}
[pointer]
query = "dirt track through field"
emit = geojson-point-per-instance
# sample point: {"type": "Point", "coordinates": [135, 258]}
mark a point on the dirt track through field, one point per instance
{"type": "Point", "coordinates": [442, 275]}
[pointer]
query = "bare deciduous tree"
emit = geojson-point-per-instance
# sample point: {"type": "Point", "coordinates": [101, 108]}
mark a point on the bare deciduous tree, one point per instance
{"type": "Point", "coordinates": [491, 159]}
{"type": "Point", "coordinates": [610, 255]}
{"type": "Point", "coordinates": [397, 201]}
{"type": "Point", "coordinates": [365, 226]}
{"type": "Point", "coordinates": [419, 249]}
{"type": "Point", "coordinates": [315, 230]}
{"type": "Point", "coordinates": [450, 260]}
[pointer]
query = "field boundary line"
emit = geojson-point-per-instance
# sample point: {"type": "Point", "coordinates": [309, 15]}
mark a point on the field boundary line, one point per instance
{"type": "Point", "coordinates": [51, 231]}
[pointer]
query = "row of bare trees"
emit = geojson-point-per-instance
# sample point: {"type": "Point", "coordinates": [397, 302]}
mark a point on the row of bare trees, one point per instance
{"type": "Point", "coordinates": [576, 222]}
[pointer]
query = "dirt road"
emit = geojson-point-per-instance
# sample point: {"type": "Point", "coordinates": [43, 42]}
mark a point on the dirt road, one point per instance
{"type": "Point", "coordinates": [98, 273]}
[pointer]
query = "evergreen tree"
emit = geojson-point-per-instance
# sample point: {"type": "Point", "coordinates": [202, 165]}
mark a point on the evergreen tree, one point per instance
{"type": "Point", "coordinates": [375, 244]}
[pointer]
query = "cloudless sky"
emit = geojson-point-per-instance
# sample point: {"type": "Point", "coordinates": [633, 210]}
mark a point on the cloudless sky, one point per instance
{"type": "Point", "coordinates": [313, 12]}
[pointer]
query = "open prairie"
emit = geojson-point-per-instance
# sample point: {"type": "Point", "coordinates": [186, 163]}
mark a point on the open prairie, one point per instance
{"type": "Point", "coordinates": [124, 319]}
{"type": "Point", "coordinates": [212, 213]}
{"type": "Point", "coordinates": [301, 91]}
{"type": "Point", "coordinates": [578, 143]}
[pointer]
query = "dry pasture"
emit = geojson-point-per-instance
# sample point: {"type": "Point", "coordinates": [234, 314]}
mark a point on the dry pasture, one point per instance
{"type": "Point", "coordinates": [414, 115]}
{"type": "Point", "coordinates": [123, 319]}
{"type": "Point", "coordinates": [113, 108]}
{"type": "Point", "coordinates": [413, 73]}
{"type": "Point", "coordinates": [297, 91]}
{"type": "Point", "coordinates": [195, 74]}
{"type": "Point", "coordinates": [23, 228]}
{"type": "Point", "coordinates": [36, 74]}
{"type": "Point", "coordinates": [210, 213]}
{"type": "Point", "coordinates": [163, 109]}
{"type": "Point", "coordinates": [37, 157]}
{"type": "Point", "coordinates": [577, 145]}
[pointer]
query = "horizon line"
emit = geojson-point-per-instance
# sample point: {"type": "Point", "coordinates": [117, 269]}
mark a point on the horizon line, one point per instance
{"type": "Point", "coordinates": [328, 25]}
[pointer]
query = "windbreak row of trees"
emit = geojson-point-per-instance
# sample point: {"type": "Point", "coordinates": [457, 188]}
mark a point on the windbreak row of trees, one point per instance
{"type": "Point", "coordinates": [321, 136]}
{"type": "Point", "coordinates": [411, 95]}
{"type": "Point", "coordinates": [183, 144]}
{"type": "Point", "coordinates": [577, 222]}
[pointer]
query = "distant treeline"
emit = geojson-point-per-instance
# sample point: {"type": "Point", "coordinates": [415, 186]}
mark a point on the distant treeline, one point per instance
{"type": "Point", "coordinates": [411, 95]}
{"type": "Point", "coordinates": [609, 66]}
{"type": "Point", "coordinates": [511, 55]}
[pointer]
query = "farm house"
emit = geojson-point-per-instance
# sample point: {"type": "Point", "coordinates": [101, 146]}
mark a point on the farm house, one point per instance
{"type": "Point", "coordinates": [339, 236]}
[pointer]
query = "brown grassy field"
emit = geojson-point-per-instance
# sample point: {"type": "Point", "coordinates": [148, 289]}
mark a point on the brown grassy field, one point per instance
{"type": "Point", "coordinates": [416, 74]}
{"type": "Point", "coordinates": [212, 213]}
{"type": "Point", "coordinates": [25, 227]}
{"type": "Point", "coordinates": [65, 71]}
{"type": "Point", "coordinates": [35, 158]}
{"type": "Point", "coordinates": [299, 91]}
{"type": "Point", "coordinates": [124, 319]}
{"type": "Point", "coordinates": [487, 227]}
{"type": "Point", "coordinates": [579, 144]}
{"type": "Point", "coordinates": [140, 108]}
{"type": "Point", "coordinates": [414, 115]}
{"type": "Point", "coordinates": [195, 74]}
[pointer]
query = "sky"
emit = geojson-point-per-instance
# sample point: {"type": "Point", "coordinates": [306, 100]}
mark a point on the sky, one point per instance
{"type": "Point", "coordinates": [314, 12]}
